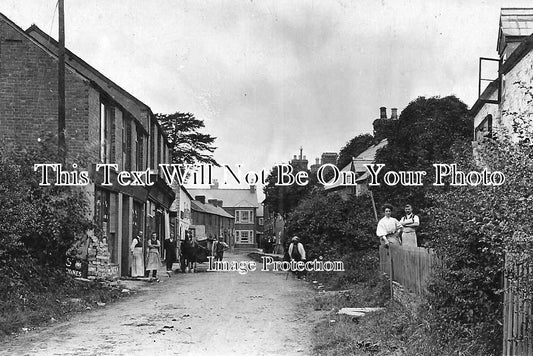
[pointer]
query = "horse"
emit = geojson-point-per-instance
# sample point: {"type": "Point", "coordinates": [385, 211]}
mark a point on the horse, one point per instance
{"type": "Point", "coordinates": [192, 253]}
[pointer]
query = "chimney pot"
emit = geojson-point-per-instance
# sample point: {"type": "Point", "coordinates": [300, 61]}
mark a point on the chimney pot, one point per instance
{"type": "Point", "coordinates": [394, 113]}
{"type": "Point", "coordinates": [382, 112]}
{"type": "Point", "coordinates": [252, 188]}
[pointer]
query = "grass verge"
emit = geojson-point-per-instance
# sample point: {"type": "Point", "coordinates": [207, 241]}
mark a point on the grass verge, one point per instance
{"type": "Point", "coordinates": [35, 296]}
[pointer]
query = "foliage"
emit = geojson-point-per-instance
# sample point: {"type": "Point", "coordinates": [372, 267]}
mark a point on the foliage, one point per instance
{"type": "Point", "coordinates": [427, 130]}
{"type": "Point", "coordinates": [283, 199]}
{"type": "Point", "coordinates": [188, 145]}
{"type": "Point", "coordinates": [336, 230]}
{"type": "Point", "coordinates": [474, 227]}
{"type": "Point", "coordinates": [42, 222]}
{"type": "Point", "coordinates": [354, 148]}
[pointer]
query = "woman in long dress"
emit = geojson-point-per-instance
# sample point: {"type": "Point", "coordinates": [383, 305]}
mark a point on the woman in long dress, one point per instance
{"type": "Point", "coordinates": [136, 248]}
{"type": "Point", "coordinates": [154, 259]}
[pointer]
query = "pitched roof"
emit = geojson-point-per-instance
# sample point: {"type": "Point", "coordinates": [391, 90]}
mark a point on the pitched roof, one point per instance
{"type": "Point", "coordinates": [514, 23]}
{"type": "Point", "coordinates": [38, 44]}
{"type": "Point", "coordinates": [210, 209]}
{"type": "Point", "coordinates": [231, 198]}
{"type": "Point", "coordinates": [517, 55]}
{"type": "Point", "coordinates": [357, 164]}
{"type": "Point", "coordinates": [130, 103]}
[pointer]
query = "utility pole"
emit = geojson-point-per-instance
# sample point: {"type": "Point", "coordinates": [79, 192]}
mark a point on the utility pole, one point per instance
{"type": "Point", "coordinates": [61, 144]}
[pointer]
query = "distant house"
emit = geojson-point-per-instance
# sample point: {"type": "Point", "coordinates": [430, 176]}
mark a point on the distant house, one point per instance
{"type": "Point", "coordinates": [209, 221]}
{"type": "Point", "coordinates": [240, 203]}
{"type": "Point", "coordinates": [356, 176]}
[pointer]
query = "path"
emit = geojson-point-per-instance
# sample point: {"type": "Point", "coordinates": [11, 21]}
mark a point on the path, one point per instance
{"type": "Point", "coordinates": [205, 313]}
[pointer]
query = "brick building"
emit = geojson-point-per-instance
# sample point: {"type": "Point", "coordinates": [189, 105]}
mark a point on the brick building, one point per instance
{"type": "Point", "coordinates": [240, 203]}
{"type": "Point", "coordinates": [104, 124]}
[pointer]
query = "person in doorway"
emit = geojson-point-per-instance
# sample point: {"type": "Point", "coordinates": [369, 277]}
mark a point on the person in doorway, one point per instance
{"type": "Point", "coordinates": [136, 248]}
{"type": "Point", "coordinates": [409, 223]}
{"type": "Point", "coordinates": [153, 256]}
{"type": "Point", "coordinates": [297, 253]}
{"type": "Point", "coordinates": [171, 246]}
{"type": "Point", "coordinates": [218, 249]}
{"type": "Point", "coordinates": [388, 227]}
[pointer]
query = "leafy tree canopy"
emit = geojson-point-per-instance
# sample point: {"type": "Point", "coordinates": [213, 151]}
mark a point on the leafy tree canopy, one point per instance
{"type": "Point", "coordinates": [353, 148]}
{"type": "Point", "coordinates": [188, 144]}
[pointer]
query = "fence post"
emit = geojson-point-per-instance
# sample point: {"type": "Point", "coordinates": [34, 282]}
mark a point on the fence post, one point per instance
{"type": "Point", "coordinates": [391, 274]}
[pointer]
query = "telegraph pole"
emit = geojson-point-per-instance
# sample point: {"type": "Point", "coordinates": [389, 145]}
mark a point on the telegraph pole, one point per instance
{"type": "Point", "coordinates": [61, 145]}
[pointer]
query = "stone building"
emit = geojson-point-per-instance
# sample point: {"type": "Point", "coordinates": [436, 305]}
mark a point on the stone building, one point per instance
{"type": "Point", "coordinates": [104, 123]}
{"type": "Point", "coordinates": [506, 101]}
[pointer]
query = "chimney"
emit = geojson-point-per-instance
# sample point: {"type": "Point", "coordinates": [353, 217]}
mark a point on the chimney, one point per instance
{"type": "Point", "coordinates": [200, 198]}
{"type": "Point", "coordinates": [212, 202]}
{"type": "Point", "coordinates": [215, 184]}
{"type": "Point", "coordinates": [394, 113]}
{"type": "Point", "coordinates": [252, 189]}
{"type": "Point", "coordinates": [317, 160]}
{"type": "Point", "coordinates": [219, 203]}
{"type": "Point", "coordinates": [382, 112]}
{"type": "Point", "coordinates": [294, 157]}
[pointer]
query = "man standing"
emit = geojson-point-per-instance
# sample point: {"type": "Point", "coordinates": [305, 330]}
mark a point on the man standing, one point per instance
{"type": "Point", "coordinates": [409, 224]}
{"type": "Point", "coordinates": [297, 253]}
{"type": "Point", "coordinates": [171, 246]}
{"type": "Point", "coordinates": [218, 249]}
{"type": "Point", "coordinates": [388, 227]}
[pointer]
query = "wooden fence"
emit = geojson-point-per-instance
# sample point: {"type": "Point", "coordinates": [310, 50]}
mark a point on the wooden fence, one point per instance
{"type": "Point", "coordinates": [411, 266]}
{"type": "Point", "coordinates": [517, 310]}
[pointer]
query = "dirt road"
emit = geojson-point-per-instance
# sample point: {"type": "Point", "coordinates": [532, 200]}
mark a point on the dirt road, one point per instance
{"type": "Point", "coordinates": [205, 313]}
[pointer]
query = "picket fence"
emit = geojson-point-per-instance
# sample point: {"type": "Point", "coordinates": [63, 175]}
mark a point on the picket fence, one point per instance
{"type": "Point", "coordinates": [517, 309]}
{"type": "Point", "coordinates": [411, 266]}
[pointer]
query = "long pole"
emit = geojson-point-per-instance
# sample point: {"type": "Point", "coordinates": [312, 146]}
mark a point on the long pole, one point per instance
{"type": "Point", "coordinates": [61, 145]}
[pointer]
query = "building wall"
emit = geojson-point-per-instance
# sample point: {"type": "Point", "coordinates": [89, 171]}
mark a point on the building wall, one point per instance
{"type": "Point", "coordinates": [516, 109]}
{"type": "Point", "coordinates": [28, 94]}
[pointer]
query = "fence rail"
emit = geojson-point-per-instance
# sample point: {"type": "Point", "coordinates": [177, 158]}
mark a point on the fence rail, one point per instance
{"type": "Point", "coordinates": [411, 266]}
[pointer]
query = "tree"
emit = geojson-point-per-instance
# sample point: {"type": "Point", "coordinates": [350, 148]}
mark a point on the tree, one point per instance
{"type": "Point", "coordinates": [188, 145]}
{"type": "Point", "coordinates": [427, 131]}
{"type": "Point", "coordinates": [354, 148]}
{"type": "Point", "coordinates": [283, 199]}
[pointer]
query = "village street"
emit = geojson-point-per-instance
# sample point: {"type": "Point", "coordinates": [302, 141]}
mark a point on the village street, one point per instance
{"type": "Point", "coordinates": [203, 313]}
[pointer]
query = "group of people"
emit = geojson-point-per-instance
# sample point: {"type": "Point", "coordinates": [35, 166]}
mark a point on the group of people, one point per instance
{"type": "Point", "coordinates": [153, 259]}
{"type": "Point", "coordinates": [403, 232]}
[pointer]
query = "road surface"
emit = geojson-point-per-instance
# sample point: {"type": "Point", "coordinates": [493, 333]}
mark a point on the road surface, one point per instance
{"type": "Point", "coordinates": [204, 313]}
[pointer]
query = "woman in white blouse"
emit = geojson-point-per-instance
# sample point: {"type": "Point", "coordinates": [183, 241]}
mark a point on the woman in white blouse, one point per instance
{"type": "Point", "coordinates": [388, 227]}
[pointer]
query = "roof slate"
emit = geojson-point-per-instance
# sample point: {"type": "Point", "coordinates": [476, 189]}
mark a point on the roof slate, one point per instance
{"type": "Point", "coordinates": [231, 198]}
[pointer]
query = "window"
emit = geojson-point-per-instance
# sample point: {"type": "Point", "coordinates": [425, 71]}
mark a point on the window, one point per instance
{"type": "Point", "coordinates": [152, 146]}
{"type": "Point", "coordinates": [261, 222]}
{"type": "Point", "coordinates": [244, 236]}
{"type": "Point", "coordinates": [139, 150]}
{"type": "Point", "coordinates": [106, 127]}
{"type": "Point", "coordinates": [126, 144]}
{"type": "Point", "coordinates": [244, 217]}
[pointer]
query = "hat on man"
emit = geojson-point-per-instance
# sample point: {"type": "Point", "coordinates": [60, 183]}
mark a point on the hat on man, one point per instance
{"type": "Point", "coordinates": [295, 238]}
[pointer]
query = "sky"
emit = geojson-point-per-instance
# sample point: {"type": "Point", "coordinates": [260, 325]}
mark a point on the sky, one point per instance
{"type": "Point", "coordinates": [269, 77]}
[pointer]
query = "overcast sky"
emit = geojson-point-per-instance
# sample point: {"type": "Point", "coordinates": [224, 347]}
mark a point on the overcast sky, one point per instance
{"type": "Point", "coordinates": [270, 76]}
